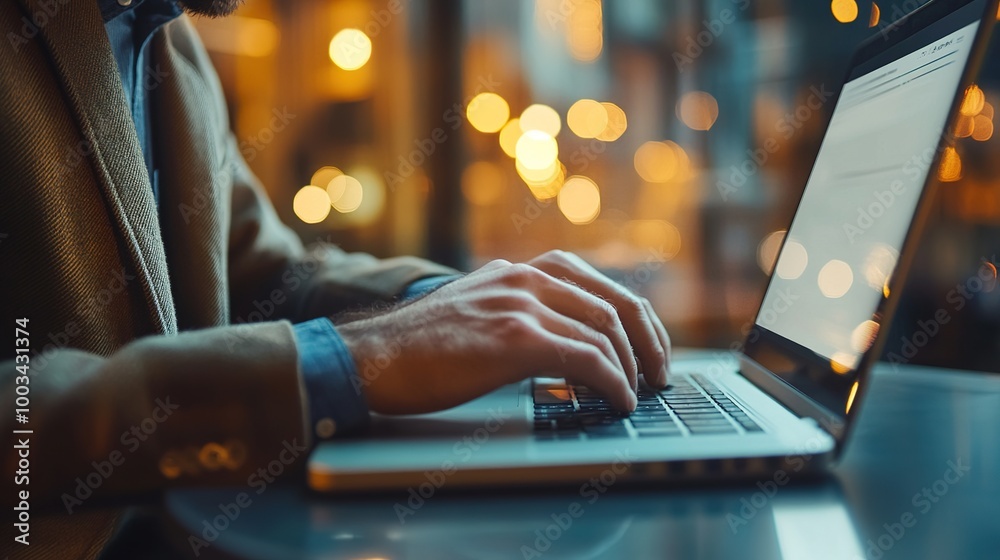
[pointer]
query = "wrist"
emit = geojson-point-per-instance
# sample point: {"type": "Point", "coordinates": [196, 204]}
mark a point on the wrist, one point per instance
{"type": "Point", "coordinates": [363, 340]}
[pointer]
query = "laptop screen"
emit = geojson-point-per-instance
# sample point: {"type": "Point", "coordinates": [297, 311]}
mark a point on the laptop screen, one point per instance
{"type": "Point", "coordinates": [860, 200]}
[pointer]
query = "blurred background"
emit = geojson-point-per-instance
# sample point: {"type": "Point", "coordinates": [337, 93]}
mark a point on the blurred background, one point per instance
{"type": "Point", "coordinates": [665, 142]}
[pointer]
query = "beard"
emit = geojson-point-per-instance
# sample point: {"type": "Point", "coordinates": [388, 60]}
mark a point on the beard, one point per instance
{"type": "Point", "coordinates": [210, 8]}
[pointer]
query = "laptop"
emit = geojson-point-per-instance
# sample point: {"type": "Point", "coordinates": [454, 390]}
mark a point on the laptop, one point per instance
{"type": "Point", "coordinates": [785, 404]}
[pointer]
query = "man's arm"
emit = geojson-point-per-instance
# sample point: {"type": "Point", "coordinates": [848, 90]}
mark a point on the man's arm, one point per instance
{"type": "Point", "coordinates": [204, 407]}
{"type": "Point", "coordinates": [268, 263]}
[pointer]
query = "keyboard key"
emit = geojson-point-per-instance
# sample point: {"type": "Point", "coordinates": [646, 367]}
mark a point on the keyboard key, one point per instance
{"type": "Point", "coordinates": [651, 420]}
{"type": "Point", "coordinates": [605, 431]}
{"type": "Point", "coordinates": [660, 433]}
{"type": "Point", "coordinates": [564, 413]}
{"type": "Point", "coordinates": [553, 395]}
{"type": "Point", "coordinates": [699, 414]}
{"type": "Point", "coordinates": [712, 429]}
{"type": "Point", "coordinates": [705, 420]}
{"type": "Point", "coordinates": [554, 406]}
{"type": "Point", "coordinates": [651, 414]}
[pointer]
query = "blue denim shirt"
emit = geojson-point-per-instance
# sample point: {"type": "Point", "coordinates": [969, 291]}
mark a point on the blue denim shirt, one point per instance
{"type": "Point", "coordinates": [335, 398]}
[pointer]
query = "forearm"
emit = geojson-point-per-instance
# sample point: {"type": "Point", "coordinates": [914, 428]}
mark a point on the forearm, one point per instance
{"type": "Point", "coordinates": [204, 407]}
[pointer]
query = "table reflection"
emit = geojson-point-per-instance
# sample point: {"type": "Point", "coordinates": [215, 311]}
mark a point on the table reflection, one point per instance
{"type": "Point", "coordinates": [916, 481]}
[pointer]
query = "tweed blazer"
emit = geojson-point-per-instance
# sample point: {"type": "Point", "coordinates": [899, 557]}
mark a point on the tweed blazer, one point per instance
{"type": "Point", "coordinates": [173, 321]}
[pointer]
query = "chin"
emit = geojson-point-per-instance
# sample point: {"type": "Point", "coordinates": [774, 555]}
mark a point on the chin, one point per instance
{"type": "Point", "coordinates": [210, 8]}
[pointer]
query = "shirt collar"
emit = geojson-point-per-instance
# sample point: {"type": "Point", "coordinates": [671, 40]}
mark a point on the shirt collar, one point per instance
{"type": "Point", "coordinates": [110, 9]}
{"type": "Point", "coordinates": [162, 10]}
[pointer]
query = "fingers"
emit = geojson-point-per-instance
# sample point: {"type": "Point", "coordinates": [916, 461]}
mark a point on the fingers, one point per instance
{"type": "Point", "coordinates": [588, 312]}
{"type": "Point", "coordinates": [647, 335]}
{"type": "Point", "coordinates": [592, 313]}
{"type": "Point", "coordinates": [567, 327]}
{"type": "Point", "coordinates": [664, 337]}
{"type": "Point", "coordinates": [584, 364]}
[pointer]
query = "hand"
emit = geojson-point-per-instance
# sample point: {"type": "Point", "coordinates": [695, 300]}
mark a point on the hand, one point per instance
{"type": "Point", "coordinates": [501, 324]}
{"type": "Point", "coordinates": [649, 337]}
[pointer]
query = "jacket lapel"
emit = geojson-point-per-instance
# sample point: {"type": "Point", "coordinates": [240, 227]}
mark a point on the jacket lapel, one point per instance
{"type": "Point", "coordinates": [89, 75]}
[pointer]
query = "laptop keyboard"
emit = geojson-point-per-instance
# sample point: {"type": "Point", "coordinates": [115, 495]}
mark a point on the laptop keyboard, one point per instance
{"type": "Point", "coordinates": [689, 406]}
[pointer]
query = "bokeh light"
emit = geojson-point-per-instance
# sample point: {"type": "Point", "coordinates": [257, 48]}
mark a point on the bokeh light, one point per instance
{"type": "Point", "coordinates": [658, 162]}
{"type": "Point", "coordinates": [350, 191]}
{"type": "Point", "coordinates": [793, 261]}
{"type": "Point", "coordinates": [579, 200]}
{"type": "Point", "coordinates": [311, 204]}
{"type": "Point", "coordinates": [509, 135]}
{"type": "Point", "coordinates": [850, 398]}
{"type": "Point", "coordinates": [536, 150]}
{"type": "Point", "coordinates": [488, 112]}
{"type": "Point", "coordinates": [950, 169]}
{"type": "Point", "coordinates": [973, 101]}
{"type": "Point", "coordinates": [482, 183]}
{"type": "Point", "coordinates": [845, 11]}
{"type": "Point", "coordinates": [964, 126]}
{"type": "Point", "coordinates": [322, 177]}
{"type": "Point", "coordinates": [544, 185]}
{"type": "Point", "coordinates": [983, 128]}
{"type": "Point", "coordinates": [585, 30]}
{"type": "Point", "coordinates": [654, 233]}
{"type": "Point", "coordinates": [879, 265]}
{"type": "Point", "coordinates": [541, 117]}
{"type": "Point", "coordinates": [835, 279]}
{"type": "Point", "coordinates": [350, 49]}
{"type": "Point", "coordinates": [767, 251]}
{"type": "Point", "coordinates": [988, 273]}
{"type": "Point", "coordinates": [698, 110]}
{"type": "Point", "coordinates": [864, 335]}
{"type": "Point", "coordinates": [843, 362]}
{"type": "Point", "coordinates": [369, 203]}
{"type": "Point", "coordinates": [540, 177]}
{"type": "Point", "coordinates": [875, 16]}
{"type": "Point", "coordinates": [587, 118]}
{"type": "Point", "coordinates": [617, 123]}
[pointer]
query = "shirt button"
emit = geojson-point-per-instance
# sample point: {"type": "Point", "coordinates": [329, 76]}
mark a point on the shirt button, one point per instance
{"type": "Point", "coordinates": [325, 428]}
{"type": "Point", "coordinates": [124, 2]}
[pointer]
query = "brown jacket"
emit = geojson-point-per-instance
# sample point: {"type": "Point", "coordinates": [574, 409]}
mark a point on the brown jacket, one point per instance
{"type": "Point", "coordinates": [132, 311]}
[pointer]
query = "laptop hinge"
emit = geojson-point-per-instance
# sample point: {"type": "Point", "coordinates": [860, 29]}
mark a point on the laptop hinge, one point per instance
{"type": "Point", "coordinates": [793, 399]}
